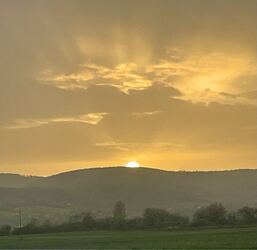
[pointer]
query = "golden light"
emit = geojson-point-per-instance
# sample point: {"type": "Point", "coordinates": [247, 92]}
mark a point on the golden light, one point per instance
{"type": "Point", "coordinates": [132, 164]}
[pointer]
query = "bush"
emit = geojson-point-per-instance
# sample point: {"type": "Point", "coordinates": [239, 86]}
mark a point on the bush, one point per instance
{"type": "Point", "coordinates": [247, 215]}
{"type": "Point", "coordinates": [214, 214]}
{"type": "Point", "coordinates": [158, 218]}
{"type": "Point", "coordinates": [5, 230]}
{"type": "Point", "coordinates": [155, 218]}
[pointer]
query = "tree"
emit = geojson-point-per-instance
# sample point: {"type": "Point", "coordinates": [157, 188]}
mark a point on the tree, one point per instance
{"type": "Point", "coordinates": [135, 223]}
{"type": "Point", "coordinates": [231, 218]}
{"type": "Point", "coordinates": [247, 215]}
{"type": "Point", "coordinates": [74, 219]}
{"type": "Point", "coordinates": [5, 230]}
{"type": "Point", "coordinates": [88, 221]}
{"type": "Point", "coordinates": [156, 217]}
{"type": "Point", "coordinates": [32, 227]}
{"type": "Point", "coordinates": [178, 220]}
{"type": "Point", "coordinates": [214, 214]}
{"type": "Point", "coordinates": [119, 214]}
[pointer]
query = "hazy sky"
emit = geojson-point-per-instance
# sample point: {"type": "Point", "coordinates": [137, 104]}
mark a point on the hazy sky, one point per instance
{"type": "Point", "coordinates": [168, 83]}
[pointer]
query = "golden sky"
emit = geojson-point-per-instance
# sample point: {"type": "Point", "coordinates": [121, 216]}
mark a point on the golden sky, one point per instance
{"type": "Point", "coordinates": [170, 84]}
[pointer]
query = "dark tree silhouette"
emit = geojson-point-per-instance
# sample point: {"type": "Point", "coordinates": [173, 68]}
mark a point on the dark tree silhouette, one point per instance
{"type": "Point", "coordinates": [156, 217]}
{"type": "Point", "coordinates": [88, 221]}
{"type": "Point", "coordinates": [5, 230]}
{"type": "Point", "coordinates": [247, 215]}
{"type": "Point", "coordinates": [153, 218]}
{"type": "Point", "coordinates": [119, 211]}
{"type": "Point", "coordinates": [119, 214]}
{"type": "Point", "coordinates": [214, 214]}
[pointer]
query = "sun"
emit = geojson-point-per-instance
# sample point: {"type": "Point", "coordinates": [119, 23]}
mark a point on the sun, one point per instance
{"type": "Point", "coordinates": [132, 164]}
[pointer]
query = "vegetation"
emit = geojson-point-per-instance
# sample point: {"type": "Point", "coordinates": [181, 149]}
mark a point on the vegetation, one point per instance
{"type": "Point", "coordinates": [56, 197]}
{"type": "Point", "coordinates": [156, 228]}
{"type": "Point", "coordinates": [235, 238]}
{"type": "Point", "coordinates": [214, 215]}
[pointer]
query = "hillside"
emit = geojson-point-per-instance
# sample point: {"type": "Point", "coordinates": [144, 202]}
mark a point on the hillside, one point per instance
{"type": "Point", "coordinates": [97, 189]}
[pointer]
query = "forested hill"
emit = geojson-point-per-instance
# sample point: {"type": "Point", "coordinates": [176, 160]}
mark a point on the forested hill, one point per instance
{"type": "Point", "coordinates": [98, 189]}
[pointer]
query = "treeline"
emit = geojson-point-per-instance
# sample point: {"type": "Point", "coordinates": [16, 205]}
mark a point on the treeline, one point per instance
{"type": "Point", "coordinates": [214, 215]}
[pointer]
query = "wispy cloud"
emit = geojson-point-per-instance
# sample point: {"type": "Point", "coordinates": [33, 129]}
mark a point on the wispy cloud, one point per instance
{"type": "Point", "coordinates": [128, 146]}
{"type": "Point", "coordinates": [147, 113]}
{"type": "Point", "coordinates": [90, 118]}
{"type": "Point", "coordinates": [203, 78]}
{"type": "Point", "coordinates": [123, 76]}
{"type": "Point", "coordinates": [200, 78]}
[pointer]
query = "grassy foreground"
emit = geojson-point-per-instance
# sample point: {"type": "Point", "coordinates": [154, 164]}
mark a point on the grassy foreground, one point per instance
{"type": "Point", "coordinates": [243, 238]}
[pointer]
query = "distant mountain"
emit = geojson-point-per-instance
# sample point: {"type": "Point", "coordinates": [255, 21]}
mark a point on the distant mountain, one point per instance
{"type": "Point", "coordinates": [97, 189]}
{"type": "Point", "coordinates": [16, 180]}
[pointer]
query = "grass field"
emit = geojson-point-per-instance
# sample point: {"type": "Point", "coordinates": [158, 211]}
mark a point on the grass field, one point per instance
{"type": "Point", "coordinates": [243, 238]}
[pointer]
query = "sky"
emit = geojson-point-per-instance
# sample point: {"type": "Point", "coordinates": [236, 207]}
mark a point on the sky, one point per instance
{"type": "Point", "coordinates": [170, 84]}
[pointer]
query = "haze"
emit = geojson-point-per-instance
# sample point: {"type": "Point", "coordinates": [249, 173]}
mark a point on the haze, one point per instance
{"type": "Point", "coordinates": [169, 84]}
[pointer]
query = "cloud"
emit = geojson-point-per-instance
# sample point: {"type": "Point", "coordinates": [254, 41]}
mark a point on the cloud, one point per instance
{"type": "Point", "coordinates": [249, 98]}
{"type": "Point", "coordinates": [125, 77]}
{"type": "Point", "coordinates": [147, 113]}
{"type": "Point", "coordinates": [206, 77]}
{"type": "Point", "coordinates": [190, 84]}
{"type": "Point", "coordinates": [252, 95]}
{"type": "Point", "coordinates": [132, 146]}
{"type": "Point", "coordinates": [150, 125]}
{"type": "Point", "coordinates": [91, 118]}
{"type": "Point", "coordinates": [198, 77]}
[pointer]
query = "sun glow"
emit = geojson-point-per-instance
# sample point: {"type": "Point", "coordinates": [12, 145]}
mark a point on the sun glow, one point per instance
{"type": "Point", "coordinates": [132, 164]}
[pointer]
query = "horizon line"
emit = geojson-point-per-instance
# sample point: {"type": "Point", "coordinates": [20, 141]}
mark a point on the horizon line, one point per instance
{"type": "Point", "coordinates": [132, 169]}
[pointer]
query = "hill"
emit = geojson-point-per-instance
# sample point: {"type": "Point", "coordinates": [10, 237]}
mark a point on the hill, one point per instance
{"type": "Point", "coordinates": [97, 189]}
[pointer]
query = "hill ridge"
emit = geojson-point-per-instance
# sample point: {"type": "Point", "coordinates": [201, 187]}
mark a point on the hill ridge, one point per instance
{"type": "Point", "coordinates": [126, 168]}
{"type": "Point", "coordinates": [98, 189]}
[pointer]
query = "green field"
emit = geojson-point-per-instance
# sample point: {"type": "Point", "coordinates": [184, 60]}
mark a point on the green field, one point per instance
{"type": "Point", "coordinates": [243, 238]}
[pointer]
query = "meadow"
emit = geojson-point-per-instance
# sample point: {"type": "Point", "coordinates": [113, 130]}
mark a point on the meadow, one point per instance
{"type": "Point", "coordinates": [233, 238]}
